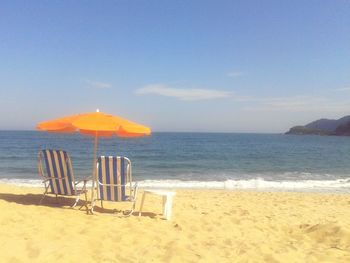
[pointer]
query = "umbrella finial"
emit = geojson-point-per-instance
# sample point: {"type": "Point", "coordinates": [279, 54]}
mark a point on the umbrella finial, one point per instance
{"type": "Point", "coordinates": [97, 110]}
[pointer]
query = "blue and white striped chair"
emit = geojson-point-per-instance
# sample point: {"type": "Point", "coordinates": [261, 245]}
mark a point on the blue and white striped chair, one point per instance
{"type": "Point", "coordinates": [114, 182]}
{"type": "Point", "coordinates": [55, 167]}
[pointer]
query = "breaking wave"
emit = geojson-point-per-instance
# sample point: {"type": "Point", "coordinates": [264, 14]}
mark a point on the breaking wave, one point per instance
{"type": "Point", "coordinates": [258, 184]}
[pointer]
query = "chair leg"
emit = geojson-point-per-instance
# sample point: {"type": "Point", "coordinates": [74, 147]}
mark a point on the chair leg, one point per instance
{"type": "Point", "coordinates": [129, 213]}
{"type": "Point", "coordinates": [142, 201]}
{"type": "Point", "coordinates": [42, 198]}
{"type": "Point", "coordinates": [44, 194]}
{"type": "Point", "coordinates": [57, 201]}
{"type": "Point", "coordinates": [164, 210]}
{"type": "Point", "coordinates": [85, 204]}
{"type": "Point", "coordinates": [168, 207]}
{"type": "Point", "coordinates": [92, 202]}
{"type": "Point", "coordinates": [76, 201]}
{"type": "Point", "coordinates": [92, 206]}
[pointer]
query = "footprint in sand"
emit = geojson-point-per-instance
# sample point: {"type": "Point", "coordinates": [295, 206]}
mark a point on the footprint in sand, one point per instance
{"type": "Point", "coordinates": [33, 252]}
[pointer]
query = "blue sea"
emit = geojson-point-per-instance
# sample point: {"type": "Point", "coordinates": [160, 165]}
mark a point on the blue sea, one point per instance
{"type": "Point", "coordinates": [271, 162]}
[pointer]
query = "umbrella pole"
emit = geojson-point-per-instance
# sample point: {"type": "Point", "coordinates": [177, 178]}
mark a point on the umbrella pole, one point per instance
{"type": "Point", "coordinates": [95, 156]}
{"type": "Point", "coordinates": [94, 170]}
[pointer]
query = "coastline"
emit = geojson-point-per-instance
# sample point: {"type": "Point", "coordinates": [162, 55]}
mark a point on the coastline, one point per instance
{"type": "Point", "coordinates": [207, 226]}
{"type": "Point", "coordinates": [341, 185]}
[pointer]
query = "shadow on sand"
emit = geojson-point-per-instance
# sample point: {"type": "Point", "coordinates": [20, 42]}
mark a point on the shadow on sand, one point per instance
{"type": "Point", "coordinates": [118, 212]}
{"type": "Point", "coordinates": [62, 202]}
{"type": "Point", "coordinates": [34, 199]}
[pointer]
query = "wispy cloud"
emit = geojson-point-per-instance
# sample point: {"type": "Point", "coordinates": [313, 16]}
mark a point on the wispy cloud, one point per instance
{"type": "Point", "coordinates": [98, 85]}
{"type": "Point", "coordinates": [235, 74]}
{"type": "Point", "coordinates": [343, 89]}
{"type": "Point", "coordinates": [299, 104]}
{"type": "Point", "coordinates": [183, 94]}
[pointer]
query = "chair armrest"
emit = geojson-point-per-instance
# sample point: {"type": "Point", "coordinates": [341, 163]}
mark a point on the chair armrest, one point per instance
{"type": "Point", "coordinates": [85, 180]}
{"type": "Point", "coordinates": [44, 181]}
{"type": "Point", "coordinates": [88, 178]}
{"type": "Point", "coordinates": [135, 190]}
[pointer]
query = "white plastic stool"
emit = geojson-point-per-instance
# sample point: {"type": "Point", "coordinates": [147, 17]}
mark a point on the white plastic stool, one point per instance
{"type": "Point", "coordinates": [167, 201]}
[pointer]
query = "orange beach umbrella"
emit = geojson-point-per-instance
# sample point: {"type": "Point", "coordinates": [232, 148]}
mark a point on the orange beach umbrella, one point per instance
{"type": "Point", "coordinates": [96, 124]}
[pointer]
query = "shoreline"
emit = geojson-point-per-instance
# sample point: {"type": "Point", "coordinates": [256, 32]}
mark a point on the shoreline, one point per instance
{"type": "Point", "coordinates": [337, 186]}
{"type": "Point", "coordinates": [207, 226]}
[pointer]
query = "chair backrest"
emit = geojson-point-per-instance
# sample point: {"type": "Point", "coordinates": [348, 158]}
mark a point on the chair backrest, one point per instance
{"type": "Point", "coordinates": [57, 170]}
{"type": "Point", "coordinates": [113, 175]}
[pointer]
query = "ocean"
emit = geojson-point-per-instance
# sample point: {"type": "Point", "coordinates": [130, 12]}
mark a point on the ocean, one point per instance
{"type": "Point", "coordinates": [267, 162]}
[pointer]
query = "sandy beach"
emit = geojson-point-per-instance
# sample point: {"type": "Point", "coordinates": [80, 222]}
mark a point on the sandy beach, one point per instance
{"type": "Point", "coordinates": [207, 226]}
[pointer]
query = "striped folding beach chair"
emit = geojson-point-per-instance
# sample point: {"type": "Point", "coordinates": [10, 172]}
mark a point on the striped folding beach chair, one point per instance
{"type": "Point", "coordinates": [55, 167]}
{"type": "Point", "coordinates": [114, 182]}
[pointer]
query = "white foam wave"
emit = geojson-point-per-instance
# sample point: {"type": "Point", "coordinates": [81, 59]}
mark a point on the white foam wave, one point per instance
{"type": "Point", "coordinates": [26, 182]}
{"type": "Point", "coordinates": [338, 185]}
{"type": "Point", "coordinates": [22, 182]}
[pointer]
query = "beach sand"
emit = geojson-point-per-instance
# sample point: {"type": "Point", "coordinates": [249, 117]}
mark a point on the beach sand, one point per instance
{"type": "Point", "coordinates": [207, 226]}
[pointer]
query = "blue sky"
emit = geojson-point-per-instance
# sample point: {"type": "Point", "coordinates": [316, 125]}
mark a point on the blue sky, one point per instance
{"type": "Point", "coordinates": [225, 66]}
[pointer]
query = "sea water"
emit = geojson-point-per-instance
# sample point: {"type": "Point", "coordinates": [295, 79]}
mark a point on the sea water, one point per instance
{"type": "Point", "coordinates": [194, 160]}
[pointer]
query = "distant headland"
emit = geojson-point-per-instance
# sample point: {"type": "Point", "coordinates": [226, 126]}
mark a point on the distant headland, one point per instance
{"type": "Point", "coordinates": [340, 127]}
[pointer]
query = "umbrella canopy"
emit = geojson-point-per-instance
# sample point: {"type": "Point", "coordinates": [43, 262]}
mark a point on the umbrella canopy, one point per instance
{"type": "Point", "coordinates": [96, 124]}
